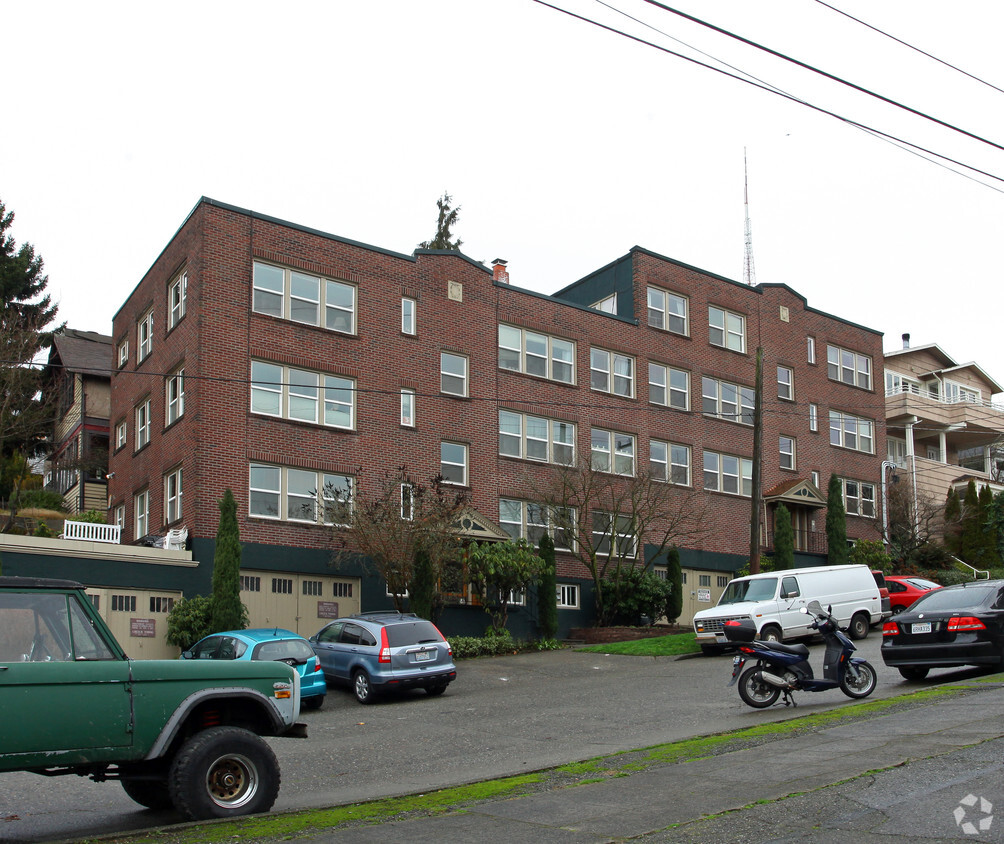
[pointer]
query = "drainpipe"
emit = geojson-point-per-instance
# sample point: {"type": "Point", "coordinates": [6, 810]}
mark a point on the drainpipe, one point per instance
{"type": "Point", "coordinates": [912, 454]}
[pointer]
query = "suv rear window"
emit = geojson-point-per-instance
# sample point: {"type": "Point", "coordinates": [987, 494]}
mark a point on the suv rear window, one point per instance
{"type": "Point", "coordinates": [412, 633]}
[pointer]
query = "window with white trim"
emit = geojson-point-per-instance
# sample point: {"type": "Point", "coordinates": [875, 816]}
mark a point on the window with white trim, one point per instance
{"type": "Point", "coordinates": [172, 496]}
{"type": "Point", "coordinates": [613, 535]}
{"type": "Point", "coordinates": [668, 387]}
{"type": "Point", "coordinates": [452, 374]}
{"type": "Point", "coordinates": [897, 383]}
{"type": "Point", "coordinates": [141, 510]}
{"type": "Point", "coordinates": [408, 407]}
{"type": "Point", "coordinates": [726, 329]}
{"type": "Point", "coordinates": [731, 402]}
{"type": "Point", "coordinates": [813, 417]}
{"type": "Point", "coordinates": [303, 297]}
{"type": "Point", "coordinates": [536, 354]}
{"type": "Point", "coordinates": [120, 435]}
{"type": "Point", "coordinates": [300, 495]}
{"type": "Point", "coordinates": [567, 595]}
{"type": "Point", "coordinates": [610, 372]}
{"type": "Point", "coordinates": [453, 463]}
{"type": "Point", "coordinates": [177, 300]}
{"type": "Point", "coordinates": [668, 311]}
{"type": "Point", "coordinates": [408, 502]}
{"type": "Point", "coordinates": [669, 462]}
{"type": "Point", "coordinates": [608, 304]}
{"type": "Point", "coordinates": [119, 516]}
{"type": "Point", "coordinates": [302, 395]}
{"type": "Point", "coordinates": [174, 400]}
{"type": "Point", "coordinates": [955, 392]}
{"type": "Point", "coordinates": [612, 452]}
{"type": "Point", "coordinates": [849, 367]}
{"type": "Point", "coordinates": [786, 447]}
{"type": "Point", "coordinates": [728, 473]}
{"type": "Point", "coordinates": [859, 498]}
{"type": "Point", "coordinates": [142, 424]}
{"type": "Point", "coordinates": [144, 336]}
{"type": "Point", "coordinates": [810, 343]}
{"type": "Point", "coordinates": [123, 353]}
{"type": "Point", "coordinates": [530, 521]}
{"type": "Point", "coordinates": [848, 431]}
{"type": "Point", "coordinates": [408, 315]}
{"type": "Point", "coordinates": [814, 477]}
{"type": "Point", "coordinates": [536, 438]}
{"type": "Point", "coordinates": [785, 383]}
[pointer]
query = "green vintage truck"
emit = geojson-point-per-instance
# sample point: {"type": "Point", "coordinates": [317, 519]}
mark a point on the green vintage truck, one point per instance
{"type": "Point", "coordinates": [175, 733]}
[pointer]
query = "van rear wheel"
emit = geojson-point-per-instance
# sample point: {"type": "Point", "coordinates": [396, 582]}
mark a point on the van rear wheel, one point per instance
{"type": "Point", "coordinates": [858, 628]}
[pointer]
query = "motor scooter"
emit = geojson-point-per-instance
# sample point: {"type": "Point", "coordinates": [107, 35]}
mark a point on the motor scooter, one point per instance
{"type": "Point", "coordinates": [782, 669]}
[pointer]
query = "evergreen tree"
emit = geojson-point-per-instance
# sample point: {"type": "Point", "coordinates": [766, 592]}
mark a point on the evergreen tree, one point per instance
{"type": "Point", "coordinates": [447, 219]}
{"type": "Point", "coordinates": [674, 574]}
{"type": "Point", "coordinates": [989, 558]}
{"type": "Point", "coordinates": [784, 539]}
{"type": "Point", "coordinates": [836, 524]}
{"type": "Point", "coordinates": [24, 301]}
{"type": "Point", "coordinates": [995, 523]}
{"type": "Point", "coordinates": [228, 612]}
{"type": "Point", "coordinates": [971, 540]}
{"type": "Point", "coordinates": [423, 597]}
{"type": "Point", "coordinates": [547, 590]}
{"type": "Point", "coordinates": [953, 523]}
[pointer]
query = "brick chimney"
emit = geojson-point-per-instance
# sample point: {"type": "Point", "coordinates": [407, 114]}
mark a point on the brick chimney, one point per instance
{"type": "Point", "coordinates": [906, 341]}
{"type": "Point", "coordinates": [499, 272]}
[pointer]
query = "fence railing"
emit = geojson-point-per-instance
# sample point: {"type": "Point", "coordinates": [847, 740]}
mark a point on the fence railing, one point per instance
{"type": "Point", "coordinates": [92, 532]}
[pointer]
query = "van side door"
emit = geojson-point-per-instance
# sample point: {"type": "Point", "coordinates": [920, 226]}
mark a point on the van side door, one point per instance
{"type": "Point", "coordinates": [789, 601]}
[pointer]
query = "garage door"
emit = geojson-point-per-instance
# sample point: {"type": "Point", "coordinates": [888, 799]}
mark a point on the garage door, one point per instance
{"type": "Point", "coordinates": [138, 619]}
{"type": "Point", "coordinates": [302, 603]}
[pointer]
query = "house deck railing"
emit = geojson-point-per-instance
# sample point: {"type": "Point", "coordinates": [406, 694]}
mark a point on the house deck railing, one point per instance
{"type": "Point", "coordinates": [92, 532]}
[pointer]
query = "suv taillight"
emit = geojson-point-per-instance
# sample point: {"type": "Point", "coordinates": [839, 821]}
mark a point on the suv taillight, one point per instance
{"type": "Point", "coordinates": [384, 647]}
{"type": "Point", "coordinates": [449, 648]}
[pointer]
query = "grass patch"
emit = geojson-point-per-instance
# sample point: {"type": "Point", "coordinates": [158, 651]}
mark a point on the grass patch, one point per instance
{"type": "Point", "coordinates": [673, 644]}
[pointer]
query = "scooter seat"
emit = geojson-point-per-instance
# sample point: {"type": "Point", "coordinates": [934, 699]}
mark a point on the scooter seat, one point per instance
{"type": "Point", "coordinates": [799, 649]}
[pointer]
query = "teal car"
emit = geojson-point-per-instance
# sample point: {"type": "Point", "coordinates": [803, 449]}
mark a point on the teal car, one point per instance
{"type": "Point", "coordinates": [268, 644]}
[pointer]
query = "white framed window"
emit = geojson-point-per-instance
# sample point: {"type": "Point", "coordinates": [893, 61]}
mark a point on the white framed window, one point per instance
{"type": "Point", "coordinates": [407, 407]}
{"type": "Point", "coordinates": [814, 477]}
{"type": "Point", "coordinates": [536, 438]}
{"type": "Point", "coordinates": [728, 473]}
{"type": "Point", "coordinates": [668, 311]}
{"type": "Point", "coordinates": [608, 304]}
{"type": "Point", "coordinates": [847, 431]}
{"type": "Point", "coordinates": [123, 353]}
{"type": "Point", "coordinates": [303, 297]}
{"type": "Point", "coordinates": [408, 315]}
{"type": "Point", "coordinates": [813, 417]}
{"type": "Point", "coordinates": [567, 595]}
{"type": "Point", "coordinates": [849, 367]}
{"type": "Point", "coordinates": [810, 343]}
{"type": "Point", "coordinates": [955, 392]}
{"type": "Point", "coordinates": [612, 452]}
{"type": "Point", "coordinates": [859, 498]}
{"type": "Point", "coordinates": [786, 447]}
{"type": "Point", "coordinates": [172, 496]}
{"type": "Point", "coordinates": [302, 395]}
{"type": "Point", "coordinates": [142, 424]}
{"type": "Point", "coordinates": [536, 354]}
{"type": "Point", "coordinates": [120, 435]}
{"type": "Point", "coordinates": [669, 462]}
{"type": "Point", "coordinates": [144, 336]}
{"type": "Point", "coordinates": [726, 329]}
{"type": "Point", "coordinates": [452, 374]}
{"type": "Point", "coordinates": [174, 400]}
{"type": "Point", "coordinates": [265, 491]}
{"type": "Point", "coordinates": [177, 300]}
{"type": "Point", "coordinates": [731, 402]}
{"type": "Point", "coordinates": [613, 535]}
{"type": "Point", "coordinates": [141, 509]}
{"type": "Point", "coordinates": [530, 521]}
{"type": "Point", "coordinates": [453, 463]}
{"type": "Point", "coordinates": [658, 460]}
{"type": "Point", "coordinates": [119, 516]}
{"type": "Point", "coordinates": [337, 498]}
{"type": "Point", "coordinates": [610, 372]}
{"type": "Point", "coordinates": [300, 495]}
{"type": "Point", "coordinates": [897, 383]}
{"type": "Point", "coordinates": [785, 383]}
{"type": "Point", "coordinates": [668, 387]}
{"type": "Point", "coordinates": [896, 451]}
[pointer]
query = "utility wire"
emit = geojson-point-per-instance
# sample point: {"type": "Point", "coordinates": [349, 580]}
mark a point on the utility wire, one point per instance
{"type": "Point", "coordinates": [771, 90]}
{"type": "Point", "coordinates": [911, 47]}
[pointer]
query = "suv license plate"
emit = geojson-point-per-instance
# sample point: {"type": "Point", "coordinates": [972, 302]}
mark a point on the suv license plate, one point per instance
{"type": "Point", "coordinates": [423, 656]}
{"type": "Point", "coordinates": [923, 627]}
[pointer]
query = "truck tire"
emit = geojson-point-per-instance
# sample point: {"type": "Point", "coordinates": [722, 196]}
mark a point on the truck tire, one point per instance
{"type": "Point", "coordinates": [223, 772]}
{"type": "Point", "coordinates": [151, 793]}
{"type": "Point", "coordinates": [859, 626]}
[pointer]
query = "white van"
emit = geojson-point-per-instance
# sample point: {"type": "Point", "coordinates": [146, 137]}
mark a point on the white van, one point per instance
{"type": "Point", "coordinates": [772, 601]}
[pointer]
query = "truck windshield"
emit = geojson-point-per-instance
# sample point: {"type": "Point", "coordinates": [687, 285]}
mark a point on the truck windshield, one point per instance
{"type": "Point", "coordinates": [762, 589]}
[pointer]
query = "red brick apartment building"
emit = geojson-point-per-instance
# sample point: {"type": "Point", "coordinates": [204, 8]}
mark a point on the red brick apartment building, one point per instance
{"type": "Point", "coordinates": [278, 360]}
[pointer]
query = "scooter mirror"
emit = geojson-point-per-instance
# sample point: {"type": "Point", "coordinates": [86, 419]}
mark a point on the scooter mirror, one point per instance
{"type": "Point", "coordinates": [804, 610]}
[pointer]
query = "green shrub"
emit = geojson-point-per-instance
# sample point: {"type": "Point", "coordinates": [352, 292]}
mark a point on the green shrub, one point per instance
{"type": "Point", "coordinates": [469, 647]}
{"type": "Point", "coordinates": [40, 499]}
{"type": "Point", "coordinates": [633, 593]}
{"type": "Point", "coordinates": [44, 530]}
{"type": "Point", "coordinates": [189, 620]}
{"type": "Point", "coordinates": [94, 517]}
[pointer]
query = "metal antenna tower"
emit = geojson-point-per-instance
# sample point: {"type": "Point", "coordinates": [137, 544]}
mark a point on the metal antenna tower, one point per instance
{"type": "Point", "coordinates": [749, 273]}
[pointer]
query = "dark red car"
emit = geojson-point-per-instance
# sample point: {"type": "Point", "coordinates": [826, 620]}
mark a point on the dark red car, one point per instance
{"type": "Point", "coordinates": [905, 589]}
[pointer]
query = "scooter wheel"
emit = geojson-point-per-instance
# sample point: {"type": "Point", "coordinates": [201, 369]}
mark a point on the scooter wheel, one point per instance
{"type": "Point", "coordinates": [755, 692]}
{"type": "Point", "coordinates": [859, 680]}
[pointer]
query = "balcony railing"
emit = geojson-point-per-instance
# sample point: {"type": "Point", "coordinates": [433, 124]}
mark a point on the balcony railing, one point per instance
{"type": "Point", "coordinates": [92, 532]}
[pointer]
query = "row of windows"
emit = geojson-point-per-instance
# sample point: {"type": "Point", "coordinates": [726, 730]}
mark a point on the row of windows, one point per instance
{"type": "Point", "coordinates": [174, 409]}
{"type": "Point", "coordinates": [173, 497]}
{"type": "Point", "coordinates": [177, 301]}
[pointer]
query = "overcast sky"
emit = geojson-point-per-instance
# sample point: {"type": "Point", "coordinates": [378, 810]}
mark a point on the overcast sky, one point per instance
{"type": "Point", "coordinates": [564, 145]}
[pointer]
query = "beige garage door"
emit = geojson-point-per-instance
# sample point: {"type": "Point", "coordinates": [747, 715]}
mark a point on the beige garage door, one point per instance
{"type": "Point", "coordinates": [138, 619]}
{"type": "Point", "coordinates": [302, 603]}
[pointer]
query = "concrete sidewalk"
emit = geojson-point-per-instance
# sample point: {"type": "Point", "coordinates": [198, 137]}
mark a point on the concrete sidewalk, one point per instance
{"type": "Point", "coordinates": [927, 773]}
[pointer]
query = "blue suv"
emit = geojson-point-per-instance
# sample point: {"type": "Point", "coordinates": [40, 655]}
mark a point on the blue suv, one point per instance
{"type": "Point", "coordinates": [380, 652]}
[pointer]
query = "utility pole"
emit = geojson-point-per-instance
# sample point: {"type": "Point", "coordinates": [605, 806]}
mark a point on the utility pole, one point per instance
{"type": "Point", "coordinates": [749, 276]}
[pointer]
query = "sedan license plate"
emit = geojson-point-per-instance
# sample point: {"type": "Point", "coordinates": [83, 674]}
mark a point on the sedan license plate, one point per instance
{"type": "Point", "coordinates": [424, 656]}
{"type": "Point", "coordinates": [923, 627]}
